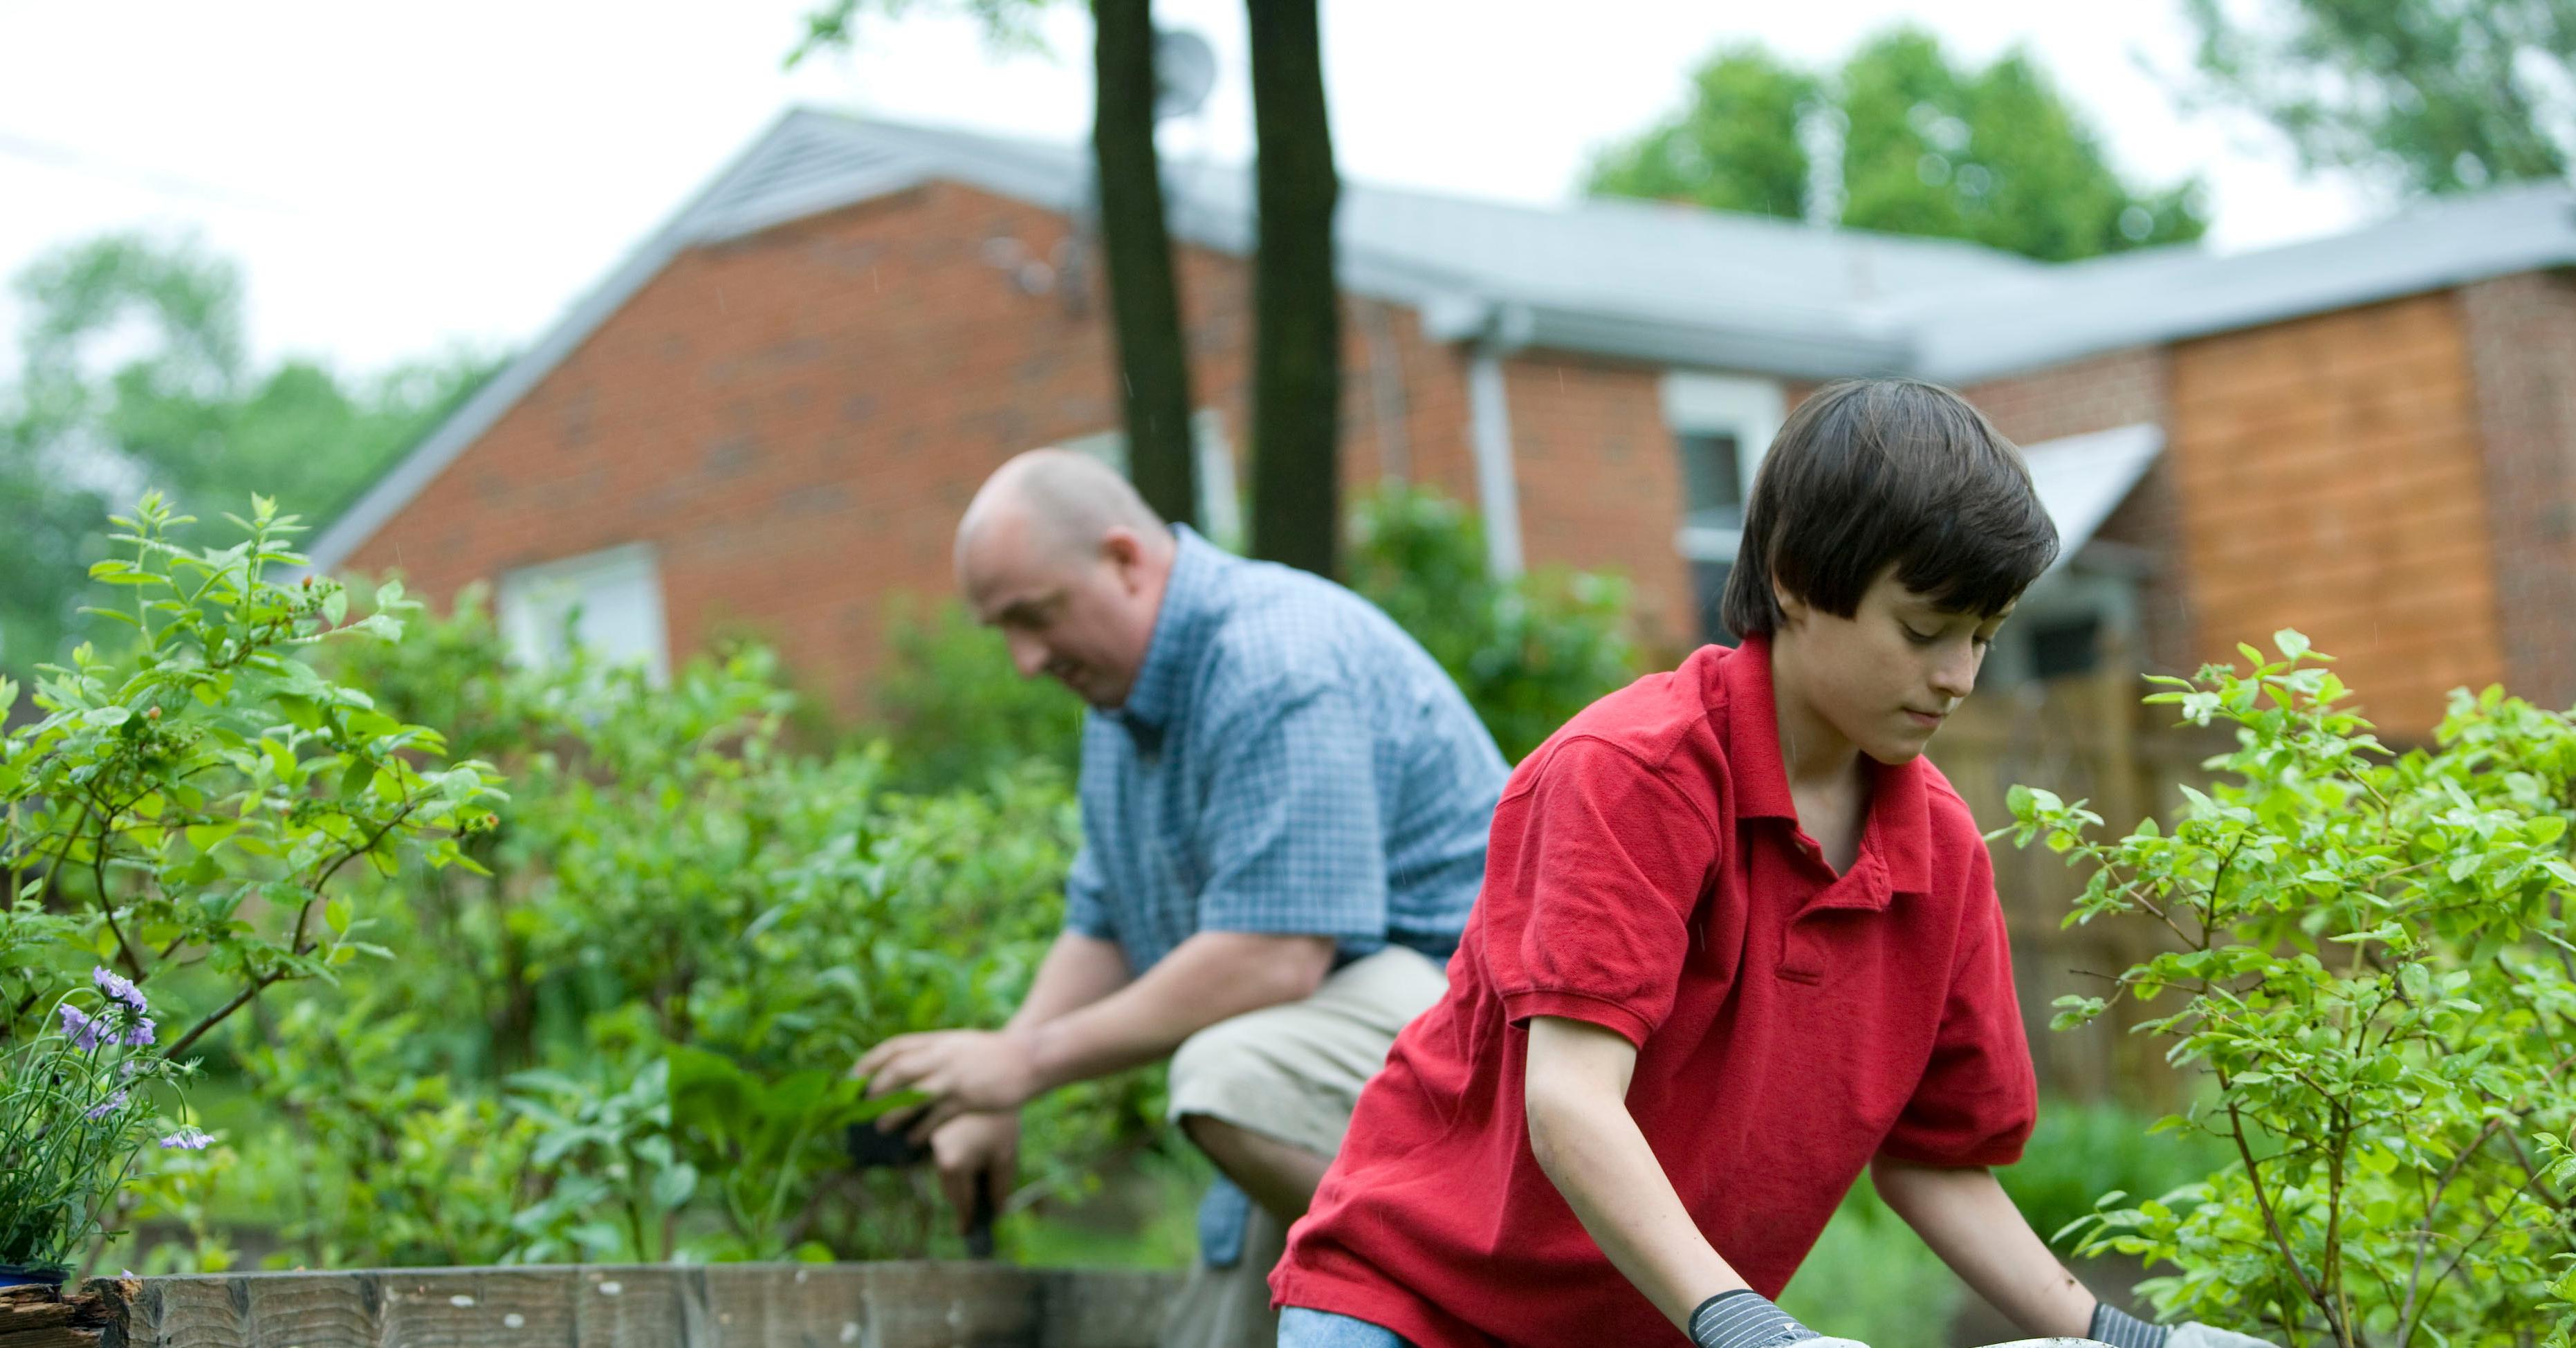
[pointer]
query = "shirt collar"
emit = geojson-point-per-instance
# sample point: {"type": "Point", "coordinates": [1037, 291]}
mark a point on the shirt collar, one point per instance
{"type": "Point", "coordinates": [1899, 825]}
{"type": "Point", "coordinates": [1180, 627]}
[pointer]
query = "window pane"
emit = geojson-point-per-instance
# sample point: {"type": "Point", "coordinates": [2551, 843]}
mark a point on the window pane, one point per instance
{"type": "Point", "coordinates": [2065, 646]}
{"type": "Point", "coordinates": [1712, 481]}
{"type": "Point", "coordinates": [1708, 593]}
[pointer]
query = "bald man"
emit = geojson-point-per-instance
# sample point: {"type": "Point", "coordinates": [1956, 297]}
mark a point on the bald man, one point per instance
{"type": "Point", "coordinates": [1284, 805]}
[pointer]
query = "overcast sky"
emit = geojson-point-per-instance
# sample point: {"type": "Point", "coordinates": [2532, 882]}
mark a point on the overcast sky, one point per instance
{"type": "Point", "coordinates": [395, 179]}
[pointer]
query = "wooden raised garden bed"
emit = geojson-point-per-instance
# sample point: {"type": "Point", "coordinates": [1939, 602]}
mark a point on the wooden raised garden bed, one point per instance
{"type": "Point", "coordinates": [888, 1305]}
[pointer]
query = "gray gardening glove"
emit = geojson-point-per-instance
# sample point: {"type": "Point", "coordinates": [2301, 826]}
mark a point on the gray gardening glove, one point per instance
{"type": "Point", "coordinates": [1745, 1318]}
{"type": "Point", "coordinates": [2122, 1330]}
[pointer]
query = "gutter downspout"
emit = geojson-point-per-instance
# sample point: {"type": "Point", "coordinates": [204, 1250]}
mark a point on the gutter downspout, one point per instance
{"type": "Point", "coordinates": [1492, 331]}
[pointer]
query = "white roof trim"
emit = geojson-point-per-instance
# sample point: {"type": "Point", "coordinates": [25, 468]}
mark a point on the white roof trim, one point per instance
{"type": "Point", "coordinates": [1956, 313]}
{"type": "Point", "coordinates": [2081, 479]}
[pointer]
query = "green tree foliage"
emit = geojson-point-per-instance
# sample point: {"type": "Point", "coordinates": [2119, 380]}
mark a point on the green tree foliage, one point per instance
{"type": "Point", "coordinates": [1928, 146]}
{"type": "Point", "coordinates": [134, 373]}
{"type": "Point", "coordinates": [2428, 95]}
{"type": "Point", "coordinates": [2369, 962]}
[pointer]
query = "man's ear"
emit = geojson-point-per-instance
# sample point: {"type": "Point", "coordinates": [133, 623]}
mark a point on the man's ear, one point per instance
{"type": "Point", "coordinates": [1125, 553]}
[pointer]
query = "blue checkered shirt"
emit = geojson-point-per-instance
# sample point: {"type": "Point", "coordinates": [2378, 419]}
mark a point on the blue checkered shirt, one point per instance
{"type": "Point", "coordinates": [1289, 761]}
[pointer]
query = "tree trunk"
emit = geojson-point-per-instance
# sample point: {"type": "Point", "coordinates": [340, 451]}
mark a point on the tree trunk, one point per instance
{"type": "Point", "coordinates": [1144, 297]}
{"type": "Point", "coordinates": [1297, 336]}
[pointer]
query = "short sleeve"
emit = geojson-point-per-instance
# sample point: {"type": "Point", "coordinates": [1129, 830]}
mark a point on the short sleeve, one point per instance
{"type": "Point", "coordinates": [1086, 904]}
{"type": "Point", "coordinates": [1291, 836]}
{"type": "Point", "coordinates": [1978, 1098]}
{"type": "Point", "coordinates": [1592, 875]}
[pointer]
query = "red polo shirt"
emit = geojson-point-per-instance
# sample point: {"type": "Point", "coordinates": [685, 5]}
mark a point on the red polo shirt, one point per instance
{"type": "Point", "coordinates": [1647, 873]}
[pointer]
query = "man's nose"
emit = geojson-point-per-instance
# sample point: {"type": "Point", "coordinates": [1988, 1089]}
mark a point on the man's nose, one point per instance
{"type": "Point", "coordinates": [1028, 655]}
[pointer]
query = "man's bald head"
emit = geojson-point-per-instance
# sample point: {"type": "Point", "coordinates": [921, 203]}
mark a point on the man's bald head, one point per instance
{"type": "Point", "coordinates": [1063, 556]}
{"type": "Point", "coordinates": [1066, 503]}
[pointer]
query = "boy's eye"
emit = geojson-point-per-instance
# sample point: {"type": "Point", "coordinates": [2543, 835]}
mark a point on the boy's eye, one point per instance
{"type": "Point", "coordinates": [1919, 638]}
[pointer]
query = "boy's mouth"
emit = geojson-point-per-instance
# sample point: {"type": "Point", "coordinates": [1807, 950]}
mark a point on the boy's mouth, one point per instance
{"type": "Point", "coordinates": [1927, 720]}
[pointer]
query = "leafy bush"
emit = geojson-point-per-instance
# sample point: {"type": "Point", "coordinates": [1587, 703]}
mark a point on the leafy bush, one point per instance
{"type": "Point", "coordinates": [1871, 1279]}
{"type": "Point", "coordinates": [1528, 653]}
{"type": "Point", "coordinates": [191, 807]}
{"type": "Point", "coordinates": [2081, 1151]}
{"type": "Point", "coordinates": [953, 711]}
{"type": "Point", "coordinates": [2372, 958]}
{"type": "Point", "coordinates": [684, 936]}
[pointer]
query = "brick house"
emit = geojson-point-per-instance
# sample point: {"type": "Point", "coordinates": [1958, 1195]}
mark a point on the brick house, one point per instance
{"type": "Point", "coordinates": [771, 414]}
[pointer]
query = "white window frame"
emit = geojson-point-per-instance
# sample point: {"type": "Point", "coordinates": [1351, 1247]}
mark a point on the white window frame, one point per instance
{"type": "Point", "coordinates": [1743, 406]}
{"type": "Point", "coordinates": [533, 600]}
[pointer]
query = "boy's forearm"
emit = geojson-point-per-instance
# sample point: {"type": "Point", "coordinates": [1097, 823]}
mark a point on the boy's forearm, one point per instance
{"type": "Point", "coordinates": [1590, 1147]}
{"type": "Point", "coordinates": [1968, 1220]}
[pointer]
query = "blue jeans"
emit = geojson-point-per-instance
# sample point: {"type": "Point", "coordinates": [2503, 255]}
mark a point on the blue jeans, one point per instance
{"type": "Point", "coordinates": [1302, 1328]}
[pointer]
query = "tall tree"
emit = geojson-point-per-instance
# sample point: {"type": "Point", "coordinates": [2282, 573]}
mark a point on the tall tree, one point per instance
{"type": "Point", "coordinates": [1926, 146]}
{"type": "Point", "coordinates": [1296, 379]}
{"type": "Point", "coordinates": [2421, 95]}
{"type": "Point", "coordinates": [135, 372]}
{"type": "Point", "coordinates": [1136, 247]}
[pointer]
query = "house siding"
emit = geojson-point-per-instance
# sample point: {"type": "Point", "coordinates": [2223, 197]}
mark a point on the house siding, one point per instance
{"type": "Point", "coordinates": [2329, 476]}
{"type": "Point", "coordinates": [2522, 352]}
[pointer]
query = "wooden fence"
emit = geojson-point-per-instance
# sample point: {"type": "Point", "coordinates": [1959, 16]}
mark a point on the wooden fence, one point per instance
{"type": "Point", "coordinates": [888, 1305]}
{"type": "Point", "coordinates": [2084, 737]}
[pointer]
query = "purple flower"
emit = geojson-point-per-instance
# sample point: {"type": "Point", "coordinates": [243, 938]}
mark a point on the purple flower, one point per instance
{"type": "Point", "coordinates": [190, 1138]}
{"type": "Point", "coordinates": [119, 988]}
{"type": "Point", "coordinates": [108, 1106]}
{"type": "Point", "coordinates": [83, 1029]}
{"type": "Point", "coordinates": [141, 1034]}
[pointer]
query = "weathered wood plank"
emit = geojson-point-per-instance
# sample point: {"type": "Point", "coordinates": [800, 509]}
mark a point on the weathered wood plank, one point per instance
{"type": "Point", "coordinates": [41, 1317]}
{"type": "Point", "coordinates": [888, 1305]}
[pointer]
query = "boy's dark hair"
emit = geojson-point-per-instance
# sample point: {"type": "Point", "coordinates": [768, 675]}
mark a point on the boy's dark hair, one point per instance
{"type": "Point", "coordinates": [1870, 473]}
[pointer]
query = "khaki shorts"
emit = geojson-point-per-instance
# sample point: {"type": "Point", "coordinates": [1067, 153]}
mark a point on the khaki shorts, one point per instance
{"type": "Point", "coordinates": [1292, 1073]}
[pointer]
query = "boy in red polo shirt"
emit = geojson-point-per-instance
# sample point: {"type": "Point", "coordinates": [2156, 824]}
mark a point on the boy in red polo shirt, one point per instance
{"type": "Point", "coordinates": [1737, 941]}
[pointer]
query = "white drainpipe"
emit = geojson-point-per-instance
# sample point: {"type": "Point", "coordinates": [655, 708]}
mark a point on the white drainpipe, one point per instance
{"type": "Point", "coordinates": [1489, 427]}
{"type": "Point", "coordinates": [1491, 332]}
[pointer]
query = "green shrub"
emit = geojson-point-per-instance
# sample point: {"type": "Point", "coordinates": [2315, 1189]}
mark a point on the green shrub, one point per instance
{"type": "Point", "coordinates": [678, 913]}
{"type": "Point", "coordinates": [201, 811]}
{"type": "Point", "coordinates": [953, 711]}
{"type": "Point", "coordinates": [2081, 1151]}
{"type": "Point", "coordinates": [1528, 653]}
{"type": "Point", "coordinates": [1871, 1279]}
{"type": "Point", "coordinates": [2371, 956]}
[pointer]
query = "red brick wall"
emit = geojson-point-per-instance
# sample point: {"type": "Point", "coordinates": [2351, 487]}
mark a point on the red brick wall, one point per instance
{"type": "Point", "coordinates": [2330, 480]}
{"type": "Point", "coordinates": [796, 419]}
{"type": "Point", "coordinates": [1600, 481]}
{"type": "Point", "coordinates": [2119, 388]}
{"type": "Point", "coordinates": [2522, 353]}
{"type": "Point", "coordinates": [2093, 394]}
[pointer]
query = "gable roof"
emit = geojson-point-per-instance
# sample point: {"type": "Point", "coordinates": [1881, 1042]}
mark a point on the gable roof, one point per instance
{"type": "Point", "coordinates": [1673, 285]}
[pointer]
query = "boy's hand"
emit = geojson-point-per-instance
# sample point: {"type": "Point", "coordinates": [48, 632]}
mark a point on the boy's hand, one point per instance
{"type": "Point", "coordinates": [1745, 1318]}
{"type": "Point", "coordinates": [2123, 1330]}
{"type": "Point", "coordinates": [2198, 1335]}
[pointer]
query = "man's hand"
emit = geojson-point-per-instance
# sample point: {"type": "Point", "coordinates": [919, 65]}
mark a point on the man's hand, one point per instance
{"type": "Point", "coordinates": [962, 1071]}
{"type": "Point", "coordinates": [976, 1145]}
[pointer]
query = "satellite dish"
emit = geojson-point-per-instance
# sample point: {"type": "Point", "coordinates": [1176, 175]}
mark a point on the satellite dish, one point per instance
{"type": "Point", "coordinates": [1184, 71]}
